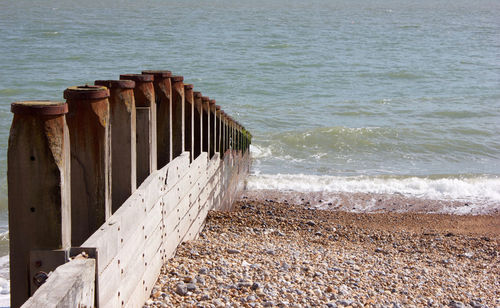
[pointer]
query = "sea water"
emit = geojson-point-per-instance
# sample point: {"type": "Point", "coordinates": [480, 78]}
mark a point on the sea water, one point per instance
{"type": "Point", "coordinates": [377, 96]}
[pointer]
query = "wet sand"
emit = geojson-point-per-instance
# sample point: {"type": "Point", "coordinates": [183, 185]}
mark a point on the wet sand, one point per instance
{"type": "Point", "coordinates": [373, 203]}
{"type": "Point", "coordinates": [276, 254]}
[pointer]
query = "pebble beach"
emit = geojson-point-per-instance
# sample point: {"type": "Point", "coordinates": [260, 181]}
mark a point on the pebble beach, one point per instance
{"type": "Point", "coordinates": [267, 253]}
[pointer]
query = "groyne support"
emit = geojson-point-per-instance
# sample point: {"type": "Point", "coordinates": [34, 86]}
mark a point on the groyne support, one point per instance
{"type": "Point", "coordinates": [105, 186]}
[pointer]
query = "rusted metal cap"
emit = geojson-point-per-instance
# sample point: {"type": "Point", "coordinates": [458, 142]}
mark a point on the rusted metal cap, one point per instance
{"type": "Point", "coordinates": [86, 92]}
{"type": "Point", "coordinates": [197, 94]}
{"type": "Point", "coordinates": [217, 107]}
{"type": "Point", "coordinates": [158, 73]}
{"type": "Point", "coordinates": [212, 102]}
{"type": "Point", "coordinates": [138, 77]}
{"type": "Point", "coordinates": [205, 98]}
{"type": "Point", "coordinates": [39, 108]}
{"type": "Point", "coordinates": [177, 78]}
{"type": "Point", "coordinates": [117, 84]}
{"type": "Point", "coordinates": [188, 86]}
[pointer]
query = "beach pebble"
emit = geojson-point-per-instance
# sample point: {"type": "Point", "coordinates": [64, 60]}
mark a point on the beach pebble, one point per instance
{"type": "Point", "coordinates": [386, 265]}
{"type": "Point", "coordinates": [181, 289]}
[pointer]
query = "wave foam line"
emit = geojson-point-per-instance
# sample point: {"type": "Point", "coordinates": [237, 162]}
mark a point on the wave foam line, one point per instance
{"type": "Point", "coordinates": [485, 189]}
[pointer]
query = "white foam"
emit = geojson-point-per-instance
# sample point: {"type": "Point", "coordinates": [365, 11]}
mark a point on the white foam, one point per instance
{"type": "Point", "coordinates": [260, 151]}
{"type": "Point", "coordinates": [483, 189]}
{"type": "Point", "coordinates": [4, 282]}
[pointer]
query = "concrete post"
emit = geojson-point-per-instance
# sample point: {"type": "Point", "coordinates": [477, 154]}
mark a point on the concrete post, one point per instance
{"type": "Point", "coordinates": [38, 176]}
{"type": "Point", "coordinates": [89, 131]}
{"type": "Point", "coordinates": [144, 95]}
{"type": "Point", "coordinates": [178, 110]}
{"type": "Point", "coordinates": [206, 124]}
{"type": "Point", "coordinates": [218, 130]}
{"type": "Point", "coordinates": [189, 120]}
{"type": "Point", "coordinates": [123, 144]}
{"type": "Point", "coordinates": [198, 133]}
{"type": "Point", "coordinates": [213, 125]}
{"type": "Point", "coordinates": [163, 97]}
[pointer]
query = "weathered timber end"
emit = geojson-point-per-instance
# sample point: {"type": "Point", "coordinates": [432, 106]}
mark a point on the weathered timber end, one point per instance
{"type": "Point", "coordinates": [105, 186]}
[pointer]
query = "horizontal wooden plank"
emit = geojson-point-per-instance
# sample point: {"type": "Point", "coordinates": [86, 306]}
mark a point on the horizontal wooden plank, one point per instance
{"type": "Point", "coordinates": [109, 285]}
{"type": "Point", "coordinates": [70, 285]}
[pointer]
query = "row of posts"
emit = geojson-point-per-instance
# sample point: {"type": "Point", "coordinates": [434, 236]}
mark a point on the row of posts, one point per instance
{"type": "Point", "coordinates": [72, 164]}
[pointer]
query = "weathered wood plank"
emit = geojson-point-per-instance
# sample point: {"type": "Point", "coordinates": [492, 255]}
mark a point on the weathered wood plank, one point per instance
{"type": "Point", "coordinates": [70, 285]}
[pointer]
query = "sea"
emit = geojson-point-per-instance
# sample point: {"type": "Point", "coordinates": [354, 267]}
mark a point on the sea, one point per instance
{"type": "Point", "coordinates": [344, 97]}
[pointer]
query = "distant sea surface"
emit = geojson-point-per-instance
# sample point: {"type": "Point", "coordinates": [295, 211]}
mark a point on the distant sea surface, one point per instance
{"type": "Point", "coordinates": [362, 96]}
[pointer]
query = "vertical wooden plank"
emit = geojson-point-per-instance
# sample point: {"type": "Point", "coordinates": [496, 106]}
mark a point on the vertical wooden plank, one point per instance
{"type": "Point", "coordinates": [144, 95]}
{"type": "Point", "coordinates": [206, 124]}
{"type": "Point", "coordinates": [218, 130]}
{"type": "Point", "coordinates": [88, 124]}
{"type": "Point", "coordinates": [163, 96]}
{"type": "Point", "coordinates": [189, 119]}
{"type": "Point", "coordinates": [213, 124]}
{"type": "Point", "coordinates": [178, 110]}
{"type": "Point", "coordinates": [38, 176]}
{"type": "Point", "coordinates": [143, 145]}
{"type": "Point", "coordinates": [198, 112]}
{"type": "Point", "coordinates": [123, 143]}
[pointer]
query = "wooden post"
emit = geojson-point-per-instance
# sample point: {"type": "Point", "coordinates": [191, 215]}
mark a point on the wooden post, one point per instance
{"type": "Point", "coordinates": [223, 132]}
{"type": "Point", "coordinates": [226, 132]}
{"type": "Point", "coordinates": [218, 130]}
{"type": "Point", "coordinates": [198, 133]}
{"type": "Point", "coordinates": [189, 120]}
{"type": "Point", "coordinates": [38, 176]}
{"type": "Point", "coordinates": [144, 95]}
{"type": "Point", "coordinates": [240, 147]}
{"type": "Point", "coordinates": [89, 132]}
{"type": "Point", "coordinates": [123, 143]}
{"type": "Point", "coordinates": [213, 125]}
{"type": "Point", "coordinates": [163, 96]}
{"type": "Point", "coordinates": [178, 111]}
{"type": "Point", "coordinates": [230, 131]}
{"type": "Point", "coordinates": [206, 124]}
{"type": "Point", "coordinates": [236, 136]}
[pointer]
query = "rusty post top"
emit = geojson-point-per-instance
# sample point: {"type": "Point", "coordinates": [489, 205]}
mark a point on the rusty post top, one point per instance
{"type": "Point", "coordinates": [86, 92]}
{"type": "Point", "coordinates": [197, 95]}
{"type": "Point", "coordinates": [188, 86]}
{"type": "Point", "coordinates": [177, 78]}
{"type": "Point", "coordinates": [137, 77]}
{"type": "Point", "coordinates": [212, 102]}
{"type": "Point", "coordinates": [116, 84]}
{"type": "Point", "coordinates": [217, 107]}
{"type": "Point", "coordinates": [205, 98]}
{"type": "Point", "coordinates": [39, 108]}
{"type": "Point", "coordinates": [158, 73]}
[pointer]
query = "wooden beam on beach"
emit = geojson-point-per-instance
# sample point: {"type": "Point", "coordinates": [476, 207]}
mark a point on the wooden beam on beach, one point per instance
{"type": "Point", "coordinates": [39, 187]}
{"type": "Point", "coordinates": [89, 132]}
{"type": "Point", "coordinates": [163, 96]}
{"type": "Point", "coordinates": [145, 104]}
{"type": "Point", "coordinates": [189, 120]}
{"type": "Point", "coordinates": [123, 139]}
{"type": "Point", "coordinates": [178, 110]}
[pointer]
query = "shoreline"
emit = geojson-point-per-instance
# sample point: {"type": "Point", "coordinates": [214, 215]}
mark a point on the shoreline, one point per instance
{"type": "Point", "coordinates": [272, 254]}
{"type": "Point", "coordinates": [361, 202]}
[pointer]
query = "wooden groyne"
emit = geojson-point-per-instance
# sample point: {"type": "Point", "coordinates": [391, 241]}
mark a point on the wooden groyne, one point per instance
{"type": "Point", "coordinates": [105, 186]}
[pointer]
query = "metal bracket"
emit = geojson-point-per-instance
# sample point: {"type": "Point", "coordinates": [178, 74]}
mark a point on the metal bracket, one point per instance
{"type": "Point", "coordinates": [42, 262]}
